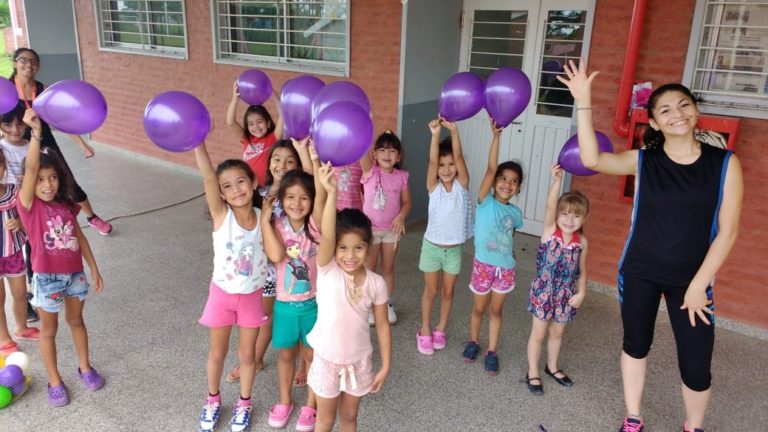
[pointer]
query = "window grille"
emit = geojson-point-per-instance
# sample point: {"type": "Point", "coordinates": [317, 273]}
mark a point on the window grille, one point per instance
{"type": "Point", "coordinates": [142, 26]}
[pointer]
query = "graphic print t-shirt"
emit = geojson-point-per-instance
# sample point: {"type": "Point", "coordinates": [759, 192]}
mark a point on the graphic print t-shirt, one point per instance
{"type": "Point", "coordinates": [52, 233]}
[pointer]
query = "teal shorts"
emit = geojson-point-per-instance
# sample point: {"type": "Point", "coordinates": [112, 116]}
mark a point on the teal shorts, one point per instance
{"type": "Point", "coordinates": [434, 258]}
{"type": "Point", "coordinates": [292, 322]}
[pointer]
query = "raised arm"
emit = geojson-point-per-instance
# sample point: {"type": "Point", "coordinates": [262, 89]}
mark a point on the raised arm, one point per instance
{"type": "Point", "coordinates": [580, 85]}
{"type": "Point", "coordinates": [327, 248]}
{"type": "Point", "coordinates": [274, 247]}
{"type": "Point", "coordinates": [493, 163]}
{"type": "Point", "coordinates": [366, 162]}
{"type": "Point", "coordinates": [434, 155]}
{"type": "Point", "coordinates": [727, 230]}
{"type": "Point", "coordinates": [279, 124]}
{"type": "Point", "coordinates": [550, 212]}
{"type": "Point", "coordinates": [32, 161]}
{"type": "Point", "coordinates": [216, 204]}
{"type": "Point", "coordinates": [232, 112]}
{"type": "Point", "coordinates": [320, 192]}
{"type": "Point", "coordinates": [458, 155]}
{"type": "Point", "coordinates": [302, 148]}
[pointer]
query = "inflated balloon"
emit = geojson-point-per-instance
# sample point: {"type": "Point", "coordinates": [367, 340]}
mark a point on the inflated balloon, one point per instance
{"type": "Point", "coordinates": [9, 97]}
{"type": "Point", "coordinates": [72, 106]}
{"type": "Point", "coordinates": [570, 160]}
{"type": "Point", "coordinates": [507, 93]}
{"type": "Point", "coordinates": [343, 133]}
{"type": "Point", "coordinates": [254, 87]}
{"type": "Point", "coordinates": [19, 388]}
{"type": "Point", "coordinates": [176, 121]}
{"type": "Point", "coordinates": [19, 359]}
{"type": "Point", "coordinates": [6, 396]}
{"type": "Point", "coordinates": [10, 375]}
{"type": "Point", "coordinates": [296, 105]}
{"type": "Point", "coordinates": [461, 96]}
{"type": "Point", "coordinates": [340, 91]}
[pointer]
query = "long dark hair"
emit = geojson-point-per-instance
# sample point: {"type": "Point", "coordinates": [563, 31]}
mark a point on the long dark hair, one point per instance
{"type": "Point", "coordinates": [283, 143]}
{"type": "Point", "coordinates": [655, 138]}
{"type": "Point", "coordinates": [16, 55]}
{"type": "Point", "coordinates": [50, 158]}
{"type": "Point", "coordinates": [258, 110]}
{"type": "Point", "coordinates": [306, 181]}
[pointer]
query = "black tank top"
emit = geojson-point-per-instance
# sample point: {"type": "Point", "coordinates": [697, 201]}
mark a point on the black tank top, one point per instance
{"type": "Point", "coordinates": [675, 215]}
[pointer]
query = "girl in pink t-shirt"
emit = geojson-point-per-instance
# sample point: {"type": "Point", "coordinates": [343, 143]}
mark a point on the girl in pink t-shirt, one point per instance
{"type": "Point", "coordinates": [258, 133]}
{"type": "Point", "coordinates": [350, 191]}
{"type": "Point", "coordinates": [58, 248]}
{"type": "Point", "coordinates": [290, 242]}
{"type": "Point", "coordinates": [386, 201]}
{"type": "Point", "coordinates": [346, 293]}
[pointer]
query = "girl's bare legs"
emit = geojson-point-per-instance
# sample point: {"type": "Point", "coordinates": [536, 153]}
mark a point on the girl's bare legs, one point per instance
{"type": "Point", "coordinates": [286, 365]}
{"type": "Point", "coordinates": [431, 280]}
{"type": "Point", "coordinates": [554, 343]}
{"type": "Point", "coordinates": [326, 413]}
{"type": "Point", "coordinates": [388, 254]}
{"type": "Point", "coordinates": [696, 403]}
{"type": "Point", "coordinates": [49, 325]}
{"type": "Point", "coordinates": [217, 353]}
{"type": "Point", "coordinates": [5, 337]}
{"type": "Point", "coordinates": [633, 378]}
{"type": "Point", "coordinates": [245, 350]}
{"type": "Point", "coordinates": [18, 286]}
{"type": "Point", "coordinates": [306, 358]}
{"type": "Point", "coordinates": [476, 319]}
{"type": "Point", "coordinates": [373, 256]}
{"type": "Point", "coordinates": [538, 333]}
{"type": "Point", "coordinates": [301, 372]}
{"type": "Point", "coordinates": [348, 407]}
{"type": "Point", "coordinates": [265, 334]}
{"type": "Point", "coordinates": [446, 299]}
{"type": "Point", "coordinates": [494, 323]}
{"type": "Point", "coordinates": [73, 312]}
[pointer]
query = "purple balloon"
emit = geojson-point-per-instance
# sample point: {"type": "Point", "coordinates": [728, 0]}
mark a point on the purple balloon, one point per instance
{"type": "Point", "coordinates": [461, 96]}
{"type": "Point", "coordinates": [176, 121]}
{"type": "Point", "coordinates": [507, 94]}
{"type": "Point", "coordinates": [10, 375]}
{"type": "Point", "coordinates": [296, 105]}
{"type": "Point", "coordinates": [72, 106]}
{"type": "Point", "coordinates": [19, 388]}
{"type": "Point", "coordinates": [340, 91]}
{"type": "Point", "coordinates": [343, 133]}
{"type": "Point", "coordinates": [570, 160]}
{"type": "Point", "coordinates": [254, 87]}
{"type": "Point", "coordinates": [9, 97]}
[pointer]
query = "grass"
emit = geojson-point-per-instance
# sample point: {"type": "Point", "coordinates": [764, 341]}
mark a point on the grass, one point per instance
{"type": "Point", "coordinates": [6, 63]}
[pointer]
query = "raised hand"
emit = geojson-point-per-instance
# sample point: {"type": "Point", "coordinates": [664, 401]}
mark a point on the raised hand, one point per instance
{"type": "Point", "coordinates": [557, 172]}
{"type": "Point", "coordinates": [578, 81]}
{"type": "Point", "coordinates": [434, 126]}
{"type": "Point", "coordinates": [313, 153]}
{"type": "Point", "coordinates": [451, 126]}
{"type": "Point", "coordinates": [327, 178]}
{"type": "Point", "coordinates": [495, 129]}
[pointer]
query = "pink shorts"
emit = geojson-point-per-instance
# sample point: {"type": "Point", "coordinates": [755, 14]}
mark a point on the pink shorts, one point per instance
{"type": "Point", "coordinates": [487, 278]}
{"type": "Point", "coordinates": [328, 379]}
{"type": "Point", "coordinates": [13, 266]}
{"type": "Point", "coordinates": [223, 309]}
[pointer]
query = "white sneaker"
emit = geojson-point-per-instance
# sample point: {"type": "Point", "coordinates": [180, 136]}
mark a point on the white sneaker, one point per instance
{"type": "Point", "coordinates": [371, 319]}
{"type": "Point", "coordinates": [391, 315]}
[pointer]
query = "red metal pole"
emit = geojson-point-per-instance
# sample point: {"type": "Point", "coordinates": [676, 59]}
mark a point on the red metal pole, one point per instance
{"type": "Point", "coordinates": [621, 119]}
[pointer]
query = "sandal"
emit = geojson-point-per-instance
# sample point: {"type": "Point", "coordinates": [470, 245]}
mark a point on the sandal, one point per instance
{"type": "Point", "coordinates": [30, 334]}
{"type": "Point", "coordinates": [300, 379]}
{"type": "Point", "coordinates": [8, 349]}
{"type": "Point", "coordinates": [234, 375]}
{"type": "Point", "coordinates": [536, 389]}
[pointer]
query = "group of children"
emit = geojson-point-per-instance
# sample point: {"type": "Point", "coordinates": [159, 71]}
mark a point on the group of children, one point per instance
{"type": "Point", "coordinates": [294, 264]}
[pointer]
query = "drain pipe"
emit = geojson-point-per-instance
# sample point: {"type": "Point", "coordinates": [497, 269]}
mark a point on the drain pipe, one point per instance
{"type": "Point", "coordinates": [621, 119]}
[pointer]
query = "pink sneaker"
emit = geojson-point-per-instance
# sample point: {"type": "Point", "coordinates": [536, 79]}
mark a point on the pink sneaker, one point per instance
{"type": "Point", "coordinates": [100, 225]}
{"type": "Point", "coordinates": [438, 339]}
{"type": "Point", "coordinates": [424, 344]}
{"type": "Point", "coordinates": [279, 415]}
{"type": "Point", "coordinates": [307, 418]}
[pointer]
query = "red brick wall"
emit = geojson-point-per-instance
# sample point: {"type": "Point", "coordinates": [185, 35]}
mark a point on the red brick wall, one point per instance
{"type": "Point", "coordinates": [741, 291]}
{"type": "Point", "coordinates": [129, 81]}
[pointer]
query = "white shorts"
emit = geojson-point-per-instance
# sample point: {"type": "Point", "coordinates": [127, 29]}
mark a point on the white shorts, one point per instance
{"type": "Point", "coordinates": [328, 379]}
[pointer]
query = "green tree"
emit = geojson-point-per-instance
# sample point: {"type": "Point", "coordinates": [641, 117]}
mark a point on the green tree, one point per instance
{"type": "Point", "coordinates": [5, 14]}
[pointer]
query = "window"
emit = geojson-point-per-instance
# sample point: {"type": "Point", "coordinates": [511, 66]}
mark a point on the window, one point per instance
{"type": "Point", "coordinates": [142, 26]}
{"type": "Point", "coordinates": [727, 63]}
{"type": "Point", "coordinates": [302, 35]}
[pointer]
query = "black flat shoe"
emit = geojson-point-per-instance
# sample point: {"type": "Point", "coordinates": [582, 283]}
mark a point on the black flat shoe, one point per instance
{"type": "Point", "coordinates": [536, 389]}
{"type": "Point", "coordinates": [563, 381]}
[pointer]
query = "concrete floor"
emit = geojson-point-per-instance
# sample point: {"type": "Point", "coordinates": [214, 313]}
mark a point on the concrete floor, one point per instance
{"type": "Point", "coordinates": [146, 342]}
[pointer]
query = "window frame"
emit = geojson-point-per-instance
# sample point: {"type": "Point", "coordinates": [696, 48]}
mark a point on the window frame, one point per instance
{"type": "Point", "coordinates": [140, 49]}
{"type": "Point", "coordinates": [726, 105]}
{"type": "Point", "coordinates": [340, 69]}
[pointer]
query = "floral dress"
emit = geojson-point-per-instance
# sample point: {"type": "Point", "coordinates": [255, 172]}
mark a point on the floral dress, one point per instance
{"type": "Point", "coordinates": [557, 270]}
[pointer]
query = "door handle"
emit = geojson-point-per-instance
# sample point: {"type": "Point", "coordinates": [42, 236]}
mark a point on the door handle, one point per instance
{"type": "Point", "coordinates": [516, 123]}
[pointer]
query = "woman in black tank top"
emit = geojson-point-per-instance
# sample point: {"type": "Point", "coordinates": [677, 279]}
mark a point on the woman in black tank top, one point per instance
{"type": "Point", "coordinates": [685, 220]}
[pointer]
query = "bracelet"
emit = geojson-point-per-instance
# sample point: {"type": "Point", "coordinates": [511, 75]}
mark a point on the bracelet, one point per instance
{"type": "Point", "coordinates": [584, 108]}
{"type": "Point", "coordinates": [35, 136]}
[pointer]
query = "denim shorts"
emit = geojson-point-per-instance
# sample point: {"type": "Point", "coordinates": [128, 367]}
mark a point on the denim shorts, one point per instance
{"type": "Point", "coordinates": [51, 288]}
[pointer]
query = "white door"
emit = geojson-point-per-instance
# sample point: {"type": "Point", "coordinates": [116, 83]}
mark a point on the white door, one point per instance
{"type": "Point", "coordinates": [537, 37]}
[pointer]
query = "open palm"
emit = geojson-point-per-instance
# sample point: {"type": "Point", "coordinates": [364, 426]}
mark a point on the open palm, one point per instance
{"type": "Point", "coordinates": [578, 81]}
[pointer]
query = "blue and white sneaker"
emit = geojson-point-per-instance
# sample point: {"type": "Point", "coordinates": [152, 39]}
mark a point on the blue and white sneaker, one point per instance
{"type": "Point", "coordinates": [241, 418]}
{"type": "Point", "coordinates": [209, 415]}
